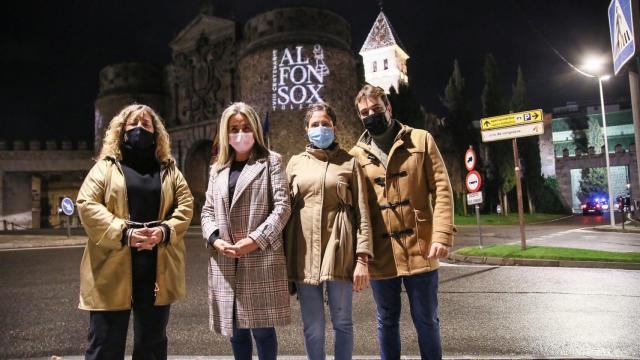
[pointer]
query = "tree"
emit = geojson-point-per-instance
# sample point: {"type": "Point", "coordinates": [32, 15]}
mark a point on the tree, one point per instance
{"type": "Point", "coordinates": [499, 181]}
{"type": "Point", "coordinates": [406, 107]}
{"type": "Point", "coordinates": [528, 147]}
{"type": "Point", "coordinates": [595, 134]}
{"type": "Point", "coordinates": [593, 183]}
{"type": "Point", "coordinates": [459, 127]}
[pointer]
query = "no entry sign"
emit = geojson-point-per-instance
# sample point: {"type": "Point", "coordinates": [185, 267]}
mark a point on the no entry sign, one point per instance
{"type": "Point", "coordinates": [473, 181]}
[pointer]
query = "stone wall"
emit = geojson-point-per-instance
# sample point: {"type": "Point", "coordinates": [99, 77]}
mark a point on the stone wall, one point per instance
{"type": "Point", "coordinates": [33, 179]}
{"type": "Point", "coordinates": [565, 164]}
{"type": "Point", "coordinates": [297, 31]}
{"type": "Point", "coordinates": [123, 84]}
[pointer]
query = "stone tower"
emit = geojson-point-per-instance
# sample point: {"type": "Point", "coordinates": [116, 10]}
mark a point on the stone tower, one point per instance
{"type": "Point", "coordinates": [123, 84]}
{"type": "Point", "coordinates": [383, 56]}
{"type": "Point", "coordinates": [291, 58]}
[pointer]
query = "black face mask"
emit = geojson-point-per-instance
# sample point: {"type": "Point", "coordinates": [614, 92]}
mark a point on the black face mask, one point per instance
{"type": "Point", "coordinates": [376, 123]}
{"type": "Point", "coordinates": [140, 139]}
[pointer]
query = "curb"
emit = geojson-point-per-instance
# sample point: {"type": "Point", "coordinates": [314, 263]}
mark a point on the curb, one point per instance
{"type": "Point", "coordinates": [496, 261]}
{"type": "Point", "coordinates": [374, 357]}
{"type": "Point", "coordinates": [608, 228]}
{"type": "Point", "coordinates": [34, 242]}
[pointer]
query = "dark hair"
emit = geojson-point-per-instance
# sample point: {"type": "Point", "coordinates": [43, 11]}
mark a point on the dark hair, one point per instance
{"type": "Point", "coordinates": [369, 90]}
{"type": "Point", "coordinates": [320, 106]}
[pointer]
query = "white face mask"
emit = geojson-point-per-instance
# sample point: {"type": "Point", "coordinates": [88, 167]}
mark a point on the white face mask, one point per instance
{"type": "Point", "coordinates": [241, 142]}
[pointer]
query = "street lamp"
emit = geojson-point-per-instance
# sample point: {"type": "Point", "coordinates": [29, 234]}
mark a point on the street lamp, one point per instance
{"type": "Point", "coordinates": [594, 65]}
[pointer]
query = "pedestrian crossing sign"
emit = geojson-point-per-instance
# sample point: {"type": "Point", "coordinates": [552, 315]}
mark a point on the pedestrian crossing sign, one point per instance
{"type": "Point", "coordinates": [621, 31]}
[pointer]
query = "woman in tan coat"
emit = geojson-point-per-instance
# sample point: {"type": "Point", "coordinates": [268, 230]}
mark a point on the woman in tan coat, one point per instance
{"type": "Point", "coordinates": [328, 243]}
{"type": "Point", "coordinates": [135, 206]}
{"type": "Point", "coordinates": [247, 206]}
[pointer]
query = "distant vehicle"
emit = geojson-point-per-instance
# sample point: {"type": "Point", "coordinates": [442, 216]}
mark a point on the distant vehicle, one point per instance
{"type": "Point", "coordinates": [594, 207]}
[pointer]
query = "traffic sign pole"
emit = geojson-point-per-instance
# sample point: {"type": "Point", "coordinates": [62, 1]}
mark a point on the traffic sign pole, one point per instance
{"type": "Point", "coordinates": [634, 84]}
{"type": "Point", "coordinates": [478, 221]}
{"type": "Point", "coordinates": [516, 161]}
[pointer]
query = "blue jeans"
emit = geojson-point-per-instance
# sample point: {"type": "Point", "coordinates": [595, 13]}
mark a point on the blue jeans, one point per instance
{"type": "Point", "coordinates": [312, 309]}
{"type": "Point", "coordinates": [266, 343]}
{"type": "Point", "coordinates": [422, 290]}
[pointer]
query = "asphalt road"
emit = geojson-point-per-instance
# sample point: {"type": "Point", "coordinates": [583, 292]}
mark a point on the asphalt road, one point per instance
{"type": "Point", "coordinates": [562, 229]}
{"type": "Point", "coordinates": [483, 311]}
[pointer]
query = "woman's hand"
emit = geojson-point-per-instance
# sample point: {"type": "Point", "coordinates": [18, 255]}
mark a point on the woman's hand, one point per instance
{"type": "Point", "coordinates": [225, 248]}
{"type": "Point", "coordinates": [244, 247]}
{"type": "Point", "coordinates": [145, 238]}
{"type": "Point", "coordinates": [361, 273]}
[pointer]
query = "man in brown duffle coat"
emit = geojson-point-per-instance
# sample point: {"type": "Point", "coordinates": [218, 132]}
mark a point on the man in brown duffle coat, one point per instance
{"type": "Point", "coordinates": [411, 206]}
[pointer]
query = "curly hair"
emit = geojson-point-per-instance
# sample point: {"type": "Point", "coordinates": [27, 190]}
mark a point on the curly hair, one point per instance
{"type": "Point", "coordinates": [115, 134]}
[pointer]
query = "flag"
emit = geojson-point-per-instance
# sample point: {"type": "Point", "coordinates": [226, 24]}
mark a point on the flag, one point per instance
{"type": "Point", "coordinates": [265, 129]}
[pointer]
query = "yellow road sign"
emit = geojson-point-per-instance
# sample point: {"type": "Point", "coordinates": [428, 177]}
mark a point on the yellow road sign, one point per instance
{"type": "Point", "coordinates": [515, 119]}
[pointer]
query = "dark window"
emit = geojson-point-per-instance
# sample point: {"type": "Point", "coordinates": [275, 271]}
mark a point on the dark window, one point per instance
{"type": "Point", "coordinates": [386, 64]}
{"type": "Point", "coordinates": [375, 66]}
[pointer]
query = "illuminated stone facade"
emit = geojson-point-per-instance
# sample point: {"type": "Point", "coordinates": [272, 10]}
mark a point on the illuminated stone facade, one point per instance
{"type": "Point", "coordinates": [279, 61]}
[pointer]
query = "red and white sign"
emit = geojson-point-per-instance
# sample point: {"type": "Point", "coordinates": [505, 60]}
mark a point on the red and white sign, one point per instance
{"type": "Point", "coordinates": [473, 181]}
{"type": "Point", "coordinates": [470, 159]}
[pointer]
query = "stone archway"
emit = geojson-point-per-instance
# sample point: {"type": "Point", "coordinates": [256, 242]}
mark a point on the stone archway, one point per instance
{"type": "Point", "coordinates": [197, 174]}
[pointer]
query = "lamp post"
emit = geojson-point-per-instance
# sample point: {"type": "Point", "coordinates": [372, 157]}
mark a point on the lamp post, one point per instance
{"type": "Point", "coordinates": [594, 64]}
{"type": "Point", "coordinates": [606, 150]}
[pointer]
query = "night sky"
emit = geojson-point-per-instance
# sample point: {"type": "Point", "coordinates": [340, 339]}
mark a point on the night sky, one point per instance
{"type": "Point", "coordinates": [52, 51]}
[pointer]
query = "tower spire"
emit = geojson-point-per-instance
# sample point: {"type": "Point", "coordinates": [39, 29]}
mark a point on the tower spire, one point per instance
{"type": "Point", "coordinates": [384, 57]}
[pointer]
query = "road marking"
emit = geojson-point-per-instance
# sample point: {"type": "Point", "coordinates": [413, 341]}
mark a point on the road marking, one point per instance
{"type": "Point", "coordinates": [548, 221]}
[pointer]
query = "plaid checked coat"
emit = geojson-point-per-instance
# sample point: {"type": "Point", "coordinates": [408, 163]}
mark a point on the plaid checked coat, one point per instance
{"type": "Point", "coordinates": [255, 284]}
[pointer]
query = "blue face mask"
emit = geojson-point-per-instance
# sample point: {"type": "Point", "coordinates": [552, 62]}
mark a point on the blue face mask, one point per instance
{"type": "Point", "coordinates": [321, 137]}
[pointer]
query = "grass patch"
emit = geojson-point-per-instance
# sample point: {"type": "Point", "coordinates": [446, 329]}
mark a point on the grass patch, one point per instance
{"type": "Point", "coordinates": [549, 253]}
{"type": "Point", "coordinates": [512, 219]}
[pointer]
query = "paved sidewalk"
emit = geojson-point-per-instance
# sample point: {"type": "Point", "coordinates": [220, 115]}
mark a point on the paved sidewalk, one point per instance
{"type": "Point", "coordinates": [16, 241]}
{"type": "Point", "coordinates": [48, 238]}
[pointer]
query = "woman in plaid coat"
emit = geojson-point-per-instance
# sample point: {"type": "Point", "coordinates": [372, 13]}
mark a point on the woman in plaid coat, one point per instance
{"type": "Point", "coordinates": [247, 206]}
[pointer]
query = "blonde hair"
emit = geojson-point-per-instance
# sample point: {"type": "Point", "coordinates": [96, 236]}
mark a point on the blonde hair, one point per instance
{"type": "Point", "coordinates": [115, 134]}
{"type": "Point", "coordinates": [226, 152]}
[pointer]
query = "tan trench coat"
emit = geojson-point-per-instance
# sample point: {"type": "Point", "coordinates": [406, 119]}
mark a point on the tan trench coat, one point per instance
{"type": "Point", "coordinates": [105, 270]}
{"type": "Point", "coordinates": [404, 222]}
{"type": "Point", "coordinates": [330, 216]}
{"type": "Point", "coordinates": [255, 285]}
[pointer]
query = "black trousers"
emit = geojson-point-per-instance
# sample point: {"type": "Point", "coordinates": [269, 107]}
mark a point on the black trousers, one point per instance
{"type": "Point", "coordinates": [108, 333]}
{"type": "Point", "coordinates": [108, 329]}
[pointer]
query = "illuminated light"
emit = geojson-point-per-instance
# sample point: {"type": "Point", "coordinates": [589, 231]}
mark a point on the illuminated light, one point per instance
{"type": "Point", "coordinates": [297, 81]}
{"type": "Point", "coordinates": [605, 77]}
{"type": "Point", "coordinates": [593, 64]}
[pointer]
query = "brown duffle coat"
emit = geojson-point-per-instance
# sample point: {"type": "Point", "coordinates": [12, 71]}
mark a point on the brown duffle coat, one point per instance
{"type": "Point", "coordinates": [411, 203]}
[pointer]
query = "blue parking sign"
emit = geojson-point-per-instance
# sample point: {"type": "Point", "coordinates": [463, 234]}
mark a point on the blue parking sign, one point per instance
{"type": "Point", "coordinates": [621, 32]}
